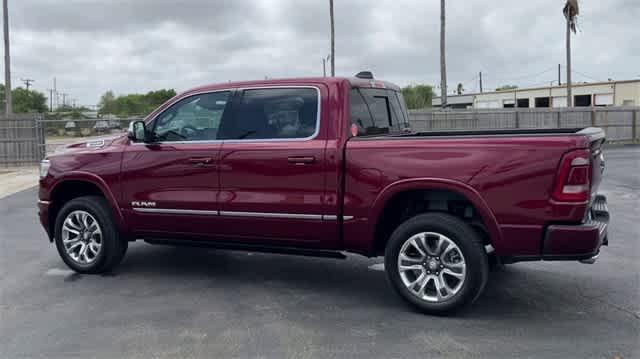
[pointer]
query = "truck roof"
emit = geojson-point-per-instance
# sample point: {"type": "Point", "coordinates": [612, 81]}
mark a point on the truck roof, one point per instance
{"type": "Point", "coordinates": [354, 81]}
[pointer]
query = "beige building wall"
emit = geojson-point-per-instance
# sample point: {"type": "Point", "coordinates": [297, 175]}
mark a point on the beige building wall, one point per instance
{"type": "Point", "coordinates": [627, 94]}
{"type": "Point", "coordinates": [621, 93]}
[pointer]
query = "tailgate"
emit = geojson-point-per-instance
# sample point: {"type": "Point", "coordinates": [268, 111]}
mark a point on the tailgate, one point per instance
{"type": "Point", "coordinates": [596, 139]}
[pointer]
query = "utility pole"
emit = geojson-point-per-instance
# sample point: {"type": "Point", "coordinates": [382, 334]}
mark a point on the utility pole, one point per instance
{"type": "Point", "coordinates": [27, 83]}
{"type": "Point", "coordinates": [480, 81]}
{"type": "Point", "coordinates": [333, 40]}
{"type": "Point", "coordinates": [50, 100]}
{"type": "Point", "coordinates": [55, 91]}
{"type": "Point", "coordinates": [324, 67]}
{"type": "Point", "coordinates": [443, 63]}
{"type": "Point", "coordinates": [569, 90]}
{"type": "Point", "coordinates": [571, 10]}
{"type": "Point", "coordinates": [7, 60]}
{"type": "Point", "coordinates": [559, 75]}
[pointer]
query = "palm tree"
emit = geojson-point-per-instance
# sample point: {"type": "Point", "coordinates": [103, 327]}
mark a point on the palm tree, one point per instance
{"type": "Point", "coordinates": [571, 11]}
{"type": "Point", "coordinates": [443, 64]}
{"type": "Point", "coordinates": [333, 40]}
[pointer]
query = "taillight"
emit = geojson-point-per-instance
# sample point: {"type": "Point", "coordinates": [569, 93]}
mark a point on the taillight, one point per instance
{"type": "Point", "coordinates": [573, 181]}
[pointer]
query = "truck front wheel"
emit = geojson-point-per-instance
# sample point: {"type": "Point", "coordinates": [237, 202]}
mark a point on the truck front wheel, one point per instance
{"type": "Point", "coordinates": [436, 262]}
{"type": "Point", "coordinates": [86, 236]}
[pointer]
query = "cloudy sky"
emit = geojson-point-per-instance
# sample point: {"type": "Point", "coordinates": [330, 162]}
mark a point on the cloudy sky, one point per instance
{"type": "Point", "coordinates": [129, 46]}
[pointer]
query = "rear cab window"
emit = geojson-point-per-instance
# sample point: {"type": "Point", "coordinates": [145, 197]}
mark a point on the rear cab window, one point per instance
{"type": "Point", "coordinates": [378, 111]}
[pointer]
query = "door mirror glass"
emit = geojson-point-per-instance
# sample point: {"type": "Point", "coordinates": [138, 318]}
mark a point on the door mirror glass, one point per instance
{"type": "Point", "coordinates": [137, 131]}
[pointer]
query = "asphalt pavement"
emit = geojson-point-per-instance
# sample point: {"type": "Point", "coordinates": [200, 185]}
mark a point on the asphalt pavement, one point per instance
{"type": "Point", "coordinates": [166, 302]}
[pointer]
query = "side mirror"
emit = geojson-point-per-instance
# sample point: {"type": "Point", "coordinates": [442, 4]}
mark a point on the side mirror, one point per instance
{"type": "Point", "coordinates": [137, 131]}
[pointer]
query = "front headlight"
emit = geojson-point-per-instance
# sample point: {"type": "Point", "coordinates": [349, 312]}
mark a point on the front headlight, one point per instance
{"type": "Point", "coordinates": [44, 168]}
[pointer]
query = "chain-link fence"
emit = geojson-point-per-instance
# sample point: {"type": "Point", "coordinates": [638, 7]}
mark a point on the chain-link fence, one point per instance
{"type": "Point", "coordinates": [21, 140]}
{"type": "Point", "coordinates": [63, 132]}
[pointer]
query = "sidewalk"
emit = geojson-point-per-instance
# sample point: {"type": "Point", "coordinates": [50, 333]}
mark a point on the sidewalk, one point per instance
{"type": "Point", "coordinates": [14, 180]}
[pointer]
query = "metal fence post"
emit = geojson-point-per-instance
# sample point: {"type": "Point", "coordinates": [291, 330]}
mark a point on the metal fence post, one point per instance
{"type": "Point", "coordinates": [634, 125]}
{"type": "Point", "coordinates": [517, 118]}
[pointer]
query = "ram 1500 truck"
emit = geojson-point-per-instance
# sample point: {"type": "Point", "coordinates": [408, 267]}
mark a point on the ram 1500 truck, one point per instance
{"type": "Point", "coordinates": [324, 166]}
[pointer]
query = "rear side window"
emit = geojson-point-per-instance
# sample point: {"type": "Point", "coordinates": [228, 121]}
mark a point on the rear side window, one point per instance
{"type": "Point", "coordinates": [377, 111]}
{"type": "Point", "coordinates": [275, 113]}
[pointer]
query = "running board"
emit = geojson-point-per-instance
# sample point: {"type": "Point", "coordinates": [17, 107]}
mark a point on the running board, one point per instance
{"type": "Point", "coordinates": [249, 248]}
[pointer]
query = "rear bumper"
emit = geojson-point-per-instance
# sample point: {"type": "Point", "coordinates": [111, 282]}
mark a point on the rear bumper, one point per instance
{"type": "Point", "coordinates": [579, 242]}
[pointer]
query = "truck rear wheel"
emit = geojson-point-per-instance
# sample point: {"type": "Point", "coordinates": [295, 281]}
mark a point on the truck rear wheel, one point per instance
{"type": "Point", "coordinates": [86, 236]}
{"type": "Point", "coordinates": [437, 263]}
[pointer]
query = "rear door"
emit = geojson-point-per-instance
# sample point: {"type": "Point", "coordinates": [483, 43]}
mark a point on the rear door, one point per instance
{"type": "Point", "coordinates": [273, 170]}
{"type": "Point", "coordinates": [170, 186]}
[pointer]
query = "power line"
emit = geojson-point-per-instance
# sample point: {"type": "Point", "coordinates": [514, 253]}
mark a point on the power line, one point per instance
{"type": "Point", "coordinates": [525, 76]}
{"type": "Point", "coordinates": [27, 82]}
{"type": "Point", "coordinates": [587, 76]}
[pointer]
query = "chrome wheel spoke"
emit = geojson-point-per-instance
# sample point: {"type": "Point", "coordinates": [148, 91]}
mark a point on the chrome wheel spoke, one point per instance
{"type": "Point", "coordinates": [406, 260]}
{"type": "Point", "coordinates": [443, 245]}
{"type": "Point", "coordinates": [73, 245]}
{"type": "Point", "coordinates": [414, 267]}
{"type": "Point", "coordinates": [456, 275]}
{"type": "Point", "coordinates": [69, 224]}
{"type": "Point", "coordinates": [418, 243]}
{"type": "Point", "coordinates": [423, 285]}
{"type": "Point", "coordinates": [442, 289]}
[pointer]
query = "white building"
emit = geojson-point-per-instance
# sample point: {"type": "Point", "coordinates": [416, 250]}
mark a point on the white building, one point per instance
{"type": "Point", "coordinates": [613, 93]}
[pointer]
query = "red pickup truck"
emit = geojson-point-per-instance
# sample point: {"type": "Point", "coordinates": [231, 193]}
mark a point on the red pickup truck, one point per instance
{"type": "Point", "coordinates": [323, 166]}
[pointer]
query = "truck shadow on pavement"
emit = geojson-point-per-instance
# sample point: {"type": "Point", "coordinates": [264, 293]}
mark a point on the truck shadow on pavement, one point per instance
{"type": "Point", "coordinates": [515, 291]}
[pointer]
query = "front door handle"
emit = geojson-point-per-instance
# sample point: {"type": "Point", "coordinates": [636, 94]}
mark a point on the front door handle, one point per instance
{"type": "Point", "coordinates": [301, 160]}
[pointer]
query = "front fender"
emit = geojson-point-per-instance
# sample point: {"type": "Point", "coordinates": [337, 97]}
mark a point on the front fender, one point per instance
{"type": "Point", "coordinates": [98, 182]}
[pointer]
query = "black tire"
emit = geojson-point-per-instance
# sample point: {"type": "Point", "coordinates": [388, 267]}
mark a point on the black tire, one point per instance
{"type": "Point", "coordinates": [113, 247]}
{"type": "Point", "coordinates": [469, 243]}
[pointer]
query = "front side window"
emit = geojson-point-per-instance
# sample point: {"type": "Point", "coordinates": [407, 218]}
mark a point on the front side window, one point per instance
{"type": "Point", "coordinates": [195, 118]}
{"type": "Point", "coordinates": [275, 113]}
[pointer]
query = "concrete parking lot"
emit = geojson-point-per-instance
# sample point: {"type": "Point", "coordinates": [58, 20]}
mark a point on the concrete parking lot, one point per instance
{"type": "Point", "coordinates": [165, 302]}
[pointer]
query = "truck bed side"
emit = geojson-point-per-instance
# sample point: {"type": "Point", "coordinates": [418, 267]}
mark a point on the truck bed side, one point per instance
{"type": "Point", "coordinates": [511, 177]}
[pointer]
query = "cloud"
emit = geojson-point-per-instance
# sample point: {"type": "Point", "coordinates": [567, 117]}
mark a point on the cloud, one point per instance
{"type": "Point", "coordinates": [91, 46]}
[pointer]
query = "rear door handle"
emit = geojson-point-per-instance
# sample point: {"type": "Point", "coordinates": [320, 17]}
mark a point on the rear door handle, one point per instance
{"type": "Point", "coordinates": [200, 161]}
{"type": "Point", "coordinates": [301, 160]}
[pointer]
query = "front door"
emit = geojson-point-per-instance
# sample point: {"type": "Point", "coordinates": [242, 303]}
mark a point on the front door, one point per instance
{"type": "Point", "coordinates": [273, 170]}
{"type": "Point", "coordinates": [170, 185]}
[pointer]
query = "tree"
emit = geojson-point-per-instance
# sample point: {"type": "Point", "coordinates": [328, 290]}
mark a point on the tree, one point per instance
{"type": "Point", "coordinates": [133, 104]}
{"type": "Point", "coordinates": [506, 87]}
{"type": "Point", "coordinates": [106, 104]}
{"type": "Point", "coordinates": [418, 96]}
{"type": "Point", "coordinates": [24, 101]}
